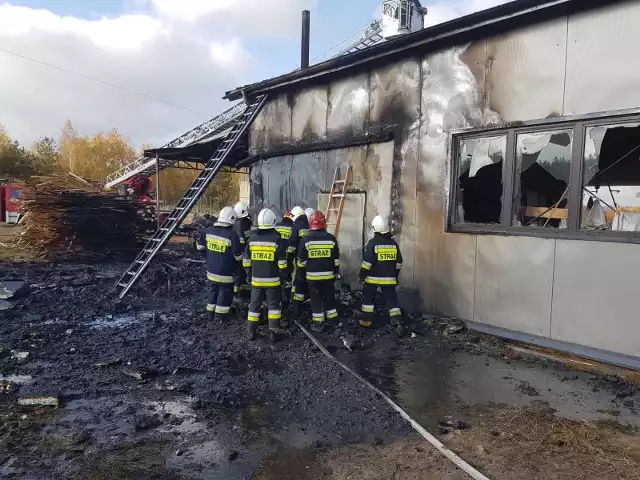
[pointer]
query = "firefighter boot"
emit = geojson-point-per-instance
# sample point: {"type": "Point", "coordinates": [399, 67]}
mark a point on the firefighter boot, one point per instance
{"type": "Point", "coordinates": [210, 317]}
{"type": "Point", "coordinates": [273, 336]}
{"type": "Point", "coordinates": [253, 330]}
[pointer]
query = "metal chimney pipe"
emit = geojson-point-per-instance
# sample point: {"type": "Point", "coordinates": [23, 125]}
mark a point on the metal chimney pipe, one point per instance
{"type": "Point", "coordinates": [306, 32]}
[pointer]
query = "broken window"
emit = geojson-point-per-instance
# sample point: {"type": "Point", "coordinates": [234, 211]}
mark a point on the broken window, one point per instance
{"type": "Point", "coordinates": [543, 169]}
{"type": "Point", "coordinates": [480, 165]}
{"type": "Point", "coordinates": [611, 178]}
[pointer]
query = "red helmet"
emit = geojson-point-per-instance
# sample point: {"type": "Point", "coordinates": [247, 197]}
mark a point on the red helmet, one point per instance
{"type": "Point", "coordinates": [317, 221]}
{"type": "Point", "coordinates": [287, 214]}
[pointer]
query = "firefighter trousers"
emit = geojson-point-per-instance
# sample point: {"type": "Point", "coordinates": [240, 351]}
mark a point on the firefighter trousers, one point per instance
{"type": "Point", "coordinates": [240, 280]}
{"type": "Point", "coordinates": [323, 300]}
{"type": "Point", "coordinates": [220, 298]}
{"type": "Point", "coordinates": [390, 299]}
{"type": "Point", "coordinates": [272, 297]}
{"type": "Point", "coordinates": [299, 291]}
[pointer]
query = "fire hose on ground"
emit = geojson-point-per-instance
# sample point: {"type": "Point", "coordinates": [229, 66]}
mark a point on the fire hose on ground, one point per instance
{"type": "Point", "coordinates": [459, 462]}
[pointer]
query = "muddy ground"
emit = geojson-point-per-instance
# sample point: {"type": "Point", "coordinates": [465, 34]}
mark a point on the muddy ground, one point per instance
{"type": "Point", "coordinates": [147, 391]}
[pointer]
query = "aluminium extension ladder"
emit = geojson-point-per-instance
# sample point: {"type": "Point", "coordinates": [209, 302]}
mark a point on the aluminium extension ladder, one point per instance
{"type": "Point", "coordinates": [195, 191]}
{"type": "Point", "coordinates": [340, 186]}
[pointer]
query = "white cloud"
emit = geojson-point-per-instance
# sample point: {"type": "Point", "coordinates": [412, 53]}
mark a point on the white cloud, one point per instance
{"type": "Point", "coordinates": [229, 54]}
{"type": "Point", "coordinates": [124, 32]}
{"type": "Point", "coordinates": [184, 51]}
{"type": "Point", "coordinates": [443, 11]}
{"type": "Point", "coordinates": [149, 49]}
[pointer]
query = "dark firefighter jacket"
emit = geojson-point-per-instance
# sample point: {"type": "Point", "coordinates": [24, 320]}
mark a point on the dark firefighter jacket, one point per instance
{"type": "Point", "coordinates": [284, 228]}
{"type": "Point", "coordinates": [265, 258]}
{"type": "Point", "coordinates": [300, 229]}
{"type": "Point", "coordinates": [242, 227]}
{"type": "Point", "coordinates": [319, 256]}
{"type": "Point", "coordinates": [224, 251]}
{"type": "Point", "coordinates": [382, 260]}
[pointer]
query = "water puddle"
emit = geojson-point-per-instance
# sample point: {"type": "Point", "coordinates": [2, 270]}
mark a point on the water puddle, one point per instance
{"type": "Point", "coordinates": [432, 383]}
{"type": "Point", "coordinates": [18, 379]}
{"type": "Point", "coordinates": [119, 321]}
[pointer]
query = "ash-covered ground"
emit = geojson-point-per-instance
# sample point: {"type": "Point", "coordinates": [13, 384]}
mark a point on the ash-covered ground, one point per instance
{"type": "Point", "coordinates": [147, 389]}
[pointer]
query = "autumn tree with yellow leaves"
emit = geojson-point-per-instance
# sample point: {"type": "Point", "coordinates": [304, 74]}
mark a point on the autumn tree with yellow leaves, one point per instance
{"type": "Point", "coordinates": [95, 157]}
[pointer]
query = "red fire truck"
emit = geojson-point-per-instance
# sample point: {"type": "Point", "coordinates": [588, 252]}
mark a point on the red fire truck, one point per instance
{"type": "Point", "coordinates": [10, 202]}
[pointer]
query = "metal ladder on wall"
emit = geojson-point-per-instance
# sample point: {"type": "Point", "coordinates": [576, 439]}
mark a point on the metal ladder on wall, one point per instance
{"type": "Point", "coordinates": [342, 187]}
{"type": "Point", "coordinates": [195, 191]}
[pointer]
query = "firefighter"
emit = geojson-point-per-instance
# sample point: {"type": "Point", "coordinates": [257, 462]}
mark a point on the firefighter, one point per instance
{"type": "Point", "coordinates": [284, 228]}
{"type": "Point", "coordinates": [242, 227]}
{"type": "Point", "coordinates": [300, 229]}
{"type": "Point", "coordinates": [265, 260]}
{"type": "Point", "coordinates": [381, 266]}
{"type": "Point", "coordinates": [319, 259]}
{"type": "Point", "coordinates": [223, 251]}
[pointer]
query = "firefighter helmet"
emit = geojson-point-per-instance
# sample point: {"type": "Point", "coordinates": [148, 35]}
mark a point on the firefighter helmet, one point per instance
{"type": "Point", "coordinates": [380, 224]}
{"type": "Point", "coordinates": [287, 214]}
{"type": "Point", "coordinates": [266, 219]}
{"type": "Point", "coordinates": [227, 216]}
{"type": "Point", "coordinates": [317, 221]}
{"type": "Point", "coordinates": [242, 209]}
{"type": "Point", "coordinates": [296, 212]}
{"type": "Point", "coordinates": [309, 211]}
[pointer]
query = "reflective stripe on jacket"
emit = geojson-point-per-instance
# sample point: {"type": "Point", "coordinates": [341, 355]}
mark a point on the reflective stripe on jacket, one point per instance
{"type": "Point", "coordinates": [265, 257]}
{"type": "Point", "coordinates": [242, 227]}
{"type": "Point", "coordinates": [382, 260]}
{"type": "Point", "coordinates": [300, 229]}
{"type": "Point", "coordinates": [319, 256]}
{"type": "Point", "coordinates": [224, 251]}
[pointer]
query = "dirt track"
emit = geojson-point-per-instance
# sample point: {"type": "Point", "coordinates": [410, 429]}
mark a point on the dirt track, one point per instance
{"type": "Point", "coordinates": [147, 392]}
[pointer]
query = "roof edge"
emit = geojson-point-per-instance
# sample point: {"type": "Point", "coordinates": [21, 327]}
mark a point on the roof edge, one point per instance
{"type": "Point", "coordinates": [523, 11]}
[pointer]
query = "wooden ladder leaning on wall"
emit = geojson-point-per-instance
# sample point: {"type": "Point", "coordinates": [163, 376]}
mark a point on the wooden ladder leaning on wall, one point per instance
{"type": "Point", "coordinates": [338, 193]}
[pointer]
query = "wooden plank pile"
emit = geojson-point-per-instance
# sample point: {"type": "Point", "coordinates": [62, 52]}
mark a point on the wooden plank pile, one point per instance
{"type": "Point", "coordinates": [68, 218]}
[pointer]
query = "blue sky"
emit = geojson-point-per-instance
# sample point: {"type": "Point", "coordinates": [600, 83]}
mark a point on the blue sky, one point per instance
{"type": "Point", "coordinates": [187, 52]}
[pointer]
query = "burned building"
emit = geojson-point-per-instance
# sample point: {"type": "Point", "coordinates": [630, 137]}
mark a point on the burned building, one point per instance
{"type": "Point", "coordinates": [502, 145]}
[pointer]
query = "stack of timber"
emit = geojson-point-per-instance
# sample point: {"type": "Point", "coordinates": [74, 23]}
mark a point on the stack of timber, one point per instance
{"type": "Point", "coordinates": [68, 218]}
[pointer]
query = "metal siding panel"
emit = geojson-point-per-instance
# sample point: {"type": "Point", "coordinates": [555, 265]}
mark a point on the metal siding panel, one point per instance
{"type": "Point", "coordinates": [602, 70]}
{"type": "Point", "coordinates": [514, 278]}
{"type": "Point", "coordinates": [453, 287]}
{"type": "Point", "coordinates": [452, 98]}
{"type": "Point", "coordinates": [525, 71]}
{"type": "Point", "coordinates": [372, 174]}
{"type": "Point", "coordinates": [594, 295]}
{"type": "Point", "coordinates": [351, 234]}
{"type": "Point", "coordinates": [309, 117]}
{"type": "Point", "coordinates": [271, 129]}
{"type": "Point", "coordinates": [276, 179]}
{"type": "Point", "coordinates": [395, 94]}
{"type": "Point", "coordinates": [348, 107]}
{"type": "Point", "coordinates": [395, 105]}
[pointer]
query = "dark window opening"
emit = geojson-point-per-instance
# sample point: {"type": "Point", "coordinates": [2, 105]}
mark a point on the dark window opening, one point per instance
{"type": "Point", "coordinates": [611, 178]}
{"type": "Point", "coordinates": [480, 164]}
{"type": "Point", "coordinates": [543, 170]}
{"type": "Point", "coordinates": [403, 14]}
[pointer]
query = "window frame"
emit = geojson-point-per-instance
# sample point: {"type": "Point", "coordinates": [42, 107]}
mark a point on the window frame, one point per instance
{"type": "Point", "coordinates": [579, 125]}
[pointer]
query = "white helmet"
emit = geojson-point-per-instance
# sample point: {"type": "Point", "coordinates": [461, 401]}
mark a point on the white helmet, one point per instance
{"type": "Point", "coordinates": [227, 216]}
{"type": "Point", "coordinates": [242, 210]}
{"type": "Point", "coordinates": [380, 225]}
{"type": "Point", "coordinates": [296, 212]}
{"type": "Point", "coordinates": [308, 212]}
{"type": "Point", "coordinates": [266, 219]}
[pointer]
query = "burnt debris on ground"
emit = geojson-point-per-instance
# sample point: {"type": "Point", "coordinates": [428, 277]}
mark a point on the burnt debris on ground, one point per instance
{"type": "Point", "coordinates": [147, 378]}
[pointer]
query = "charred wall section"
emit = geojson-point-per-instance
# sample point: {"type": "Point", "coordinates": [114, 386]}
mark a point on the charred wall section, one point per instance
{"type": "Point", "coordinates": [573, 64]}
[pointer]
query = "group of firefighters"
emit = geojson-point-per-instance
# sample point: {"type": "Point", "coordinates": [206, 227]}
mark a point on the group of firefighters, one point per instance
{"type": "Point", "coordinates": [283, 262]}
